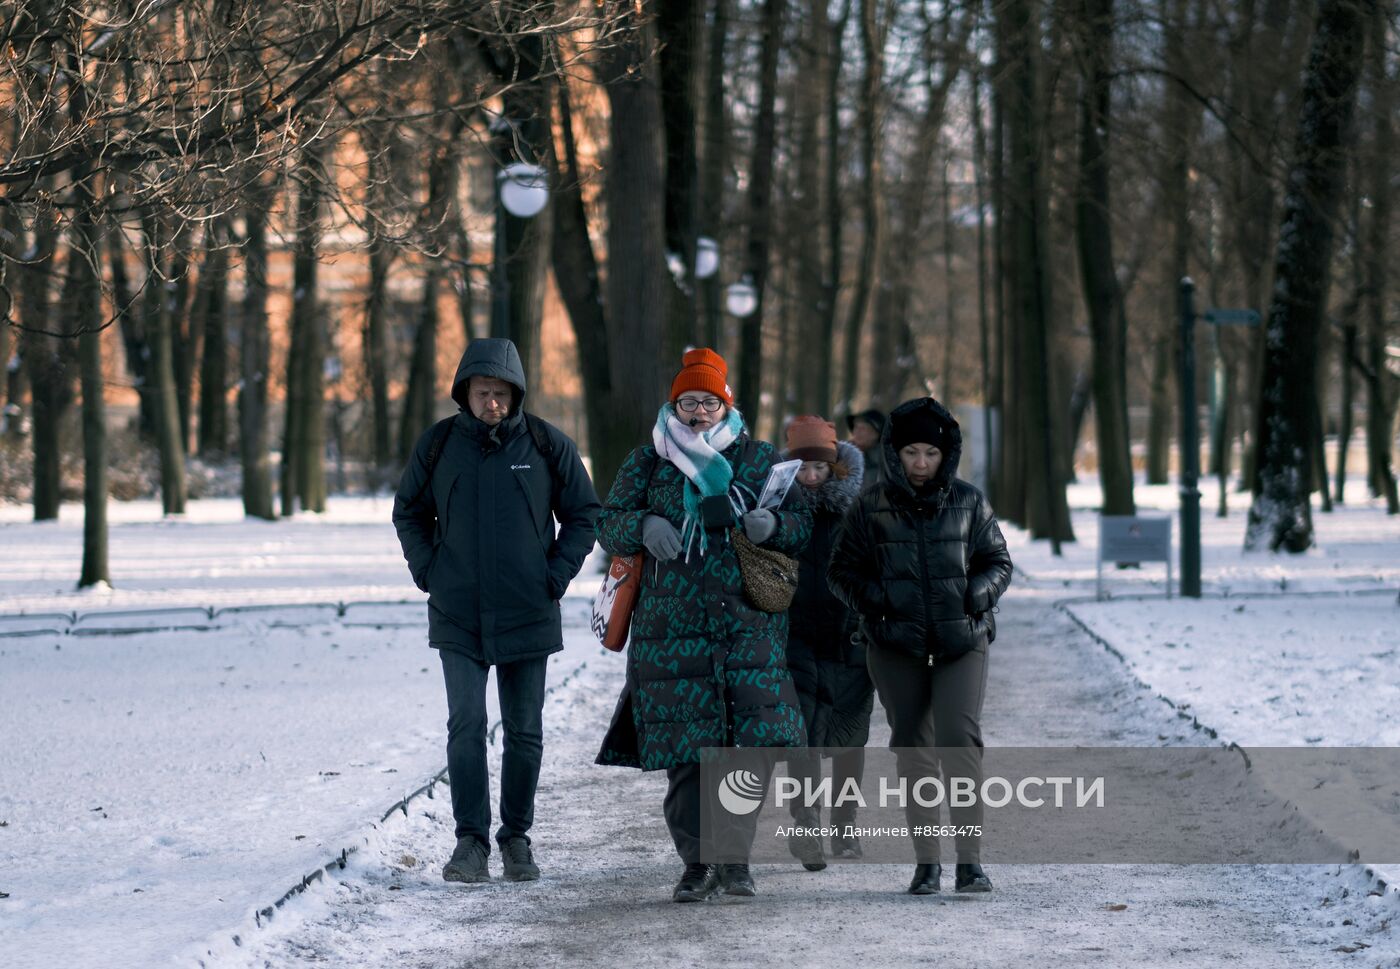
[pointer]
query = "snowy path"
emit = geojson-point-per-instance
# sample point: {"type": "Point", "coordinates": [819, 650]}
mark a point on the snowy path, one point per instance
{"type": "Point", "coordinates": [609, 868]}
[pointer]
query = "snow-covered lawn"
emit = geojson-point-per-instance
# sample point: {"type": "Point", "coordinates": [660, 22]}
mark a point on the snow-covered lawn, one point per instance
{"type": "Point", "coordinates": [1358, 547]}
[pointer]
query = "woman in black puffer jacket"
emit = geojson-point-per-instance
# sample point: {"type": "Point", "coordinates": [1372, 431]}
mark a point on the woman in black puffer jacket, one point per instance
{"type": "Point", "coordinates": [824, 654]}
{"type": "Point", "coordinates": [921, 559]}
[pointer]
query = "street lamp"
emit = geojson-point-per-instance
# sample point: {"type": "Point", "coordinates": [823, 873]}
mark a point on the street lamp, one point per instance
{"type": "Point", "coordinates": [522, 190]}
{"type": "Point", "coordinates": [741, 298]}
{"type": "Point", "coordinates": [706, 257]}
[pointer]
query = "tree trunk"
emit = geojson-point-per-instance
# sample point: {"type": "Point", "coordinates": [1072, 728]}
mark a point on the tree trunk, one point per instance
{"type": "Point", "coordinates": [1038, 431]}
{"type": "Point", "coordinates": [834, 203]}
{"type": "Point", "coordinates": [94, 569]}
{"type": "Point", "coordinates": [1280, 516]}
{"type": "Point", "coordinates": [1010, 497]}
{"type": "Point", "coordinates": [1345, 419]}
{"type": "Point", "coordinates": [86, 309]}
{"type": "Point", "coordinates": [253, 360]}
{"type": "Point", "coordinates": [1102, 294]}
{"type": "Point", "coordinates": [376, 352]}
{"type": "Point", "coordinates": [679, 26]}
{"type": "Point", "coordinates": [184, 341]}
{"type": "Point", "coordinates": [158, 323]}
{"type": "Point", "coordinates": [750, 371]}
{"type": "Point", "coordinates": [46, 365]}
{"type": "Point", "coordinates": [130, 309]}
{"type": "Point", "coordinates": [806, 220]}
{"type": "Point", "coordinates": [871, 168]}
{"type": "Point", "coordinates": [576, 272]}
{"type": "Point", "coordinates": [991, 405]}
{"type": "Point", "coordinates": [714, 160]}
{"type": "Point", "coordinates": [419, 403]}
{"type": "Point", "coordinates": [636, 238]}
{"type": "Point", "coordinates": [304, 436]}
{"type": "Point", "coordinates": [523, 135]}
{"type": "Point", "coordinates": [1381, 386]}
{"type": "Point", "coordinates": [213, 370]}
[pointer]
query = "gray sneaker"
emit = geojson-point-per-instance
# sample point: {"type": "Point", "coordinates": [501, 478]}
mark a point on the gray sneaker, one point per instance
{"type": "Point", "coordinates": [519, 861]}
{"type": "Point", "coordinates": [468, 862]}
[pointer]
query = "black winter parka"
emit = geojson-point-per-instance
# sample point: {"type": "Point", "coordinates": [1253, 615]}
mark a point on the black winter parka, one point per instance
{"type": "Point", "coordinates": [924, 569]}
{"type": "Point", "coordinates": [481, 539]}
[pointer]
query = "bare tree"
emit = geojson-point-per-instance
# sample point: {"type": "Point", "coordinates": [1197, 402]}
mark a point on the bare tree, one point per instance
{"type": "Point", "coordinates": [1281, 516]}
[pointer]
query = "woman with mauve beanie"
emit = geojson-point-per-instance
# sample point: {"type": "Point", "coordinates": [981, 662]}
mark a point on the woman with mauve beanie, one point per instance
{"type": "Point", "coordinates": [824, 654]}
{"type": "Point", "coordinates": [921, 559]}
{"type": "Point", "coordinates": [705, 668]}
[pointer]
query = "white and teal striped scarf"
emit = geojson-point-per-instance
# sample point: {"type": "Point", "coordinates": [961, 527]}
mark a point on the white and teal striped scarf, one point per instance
{"type": "Point", "coordinates": [697, 455]}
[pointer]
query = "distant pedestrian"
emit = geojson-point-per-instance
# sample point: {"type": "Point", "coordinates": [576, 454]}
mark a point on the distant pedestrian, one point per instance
{"type": "Point", "coordinates": [475, 515]}
{"type": "Point", "coordinates": [705, 668]}
{"type": "Point", "coordinates": [922, 560]}
{"type": "Point", "coordinates": [865, 429]}
{"type": "Point", "coordinates": [825, 653]}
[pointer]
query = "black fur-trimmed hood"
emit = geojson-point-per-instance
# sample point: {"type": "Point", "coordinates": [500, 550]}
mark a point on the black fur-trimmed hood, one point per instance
{"type": "Point", "coordinates": [947, 471]}
{"type": "Point", "coordinates": [836, 494]}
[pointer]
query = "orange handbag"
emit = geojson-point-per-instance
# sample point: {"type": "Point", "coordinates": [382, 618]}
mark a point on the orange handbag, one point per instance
{"type": "Point", "coordinates": [616, 598]}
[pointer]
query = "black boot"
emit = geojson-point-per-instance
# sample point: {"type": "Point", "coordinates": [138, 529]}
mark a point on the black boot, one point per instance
{"type": "Point", "coordinates": [842, 847]}
{"type": "Point", "coordinates": [971, 878]}
{"type": "Point", "coordinates": [926, 879]}
{"type": "Point", "coordinates": [807, 848]}
{"type": "Point", "coordinates": [736, 880]}
{"type": "Point", "coordinates": [698, 882]}
{"type": "Point", "coordinates": [468, 862]}
{"type": "Point", "coordinates": [519, 860]}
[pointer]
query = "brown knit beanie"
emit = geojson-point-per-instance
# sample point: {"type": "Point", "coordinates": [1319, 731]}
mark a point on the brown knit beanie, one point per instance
{"type": "Point", "coordinates": [812, 438]}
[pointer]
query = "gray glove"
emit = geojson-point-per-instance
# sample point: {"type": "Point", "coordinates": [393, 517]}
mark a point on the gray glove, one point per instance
{"type": "Point", "coordinates": [759, 525]}
{"type": "Point", "coordinates": [661, 538]}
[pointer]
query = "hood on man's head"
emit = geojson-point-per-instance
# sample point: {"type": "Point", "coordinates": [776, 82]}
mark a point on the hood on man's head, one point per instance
{"type": "Point", "coordinates": [490, 357]}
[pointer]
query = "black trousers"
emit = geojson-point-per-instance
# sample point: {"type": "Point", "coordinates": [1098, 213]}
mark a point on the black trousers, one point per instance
{"type": "Point", "coordinates": [929, 707]}
{"type": "Point", "coordinates": [520, 688]}
{"type": "Point", "coordinates": [682, 810]}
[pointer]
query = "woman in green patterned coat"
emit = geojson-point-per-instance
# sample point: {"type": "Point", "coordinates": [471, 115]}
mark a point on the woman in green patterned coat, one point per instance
{"type": "Point", "coordinates": [704, 667]}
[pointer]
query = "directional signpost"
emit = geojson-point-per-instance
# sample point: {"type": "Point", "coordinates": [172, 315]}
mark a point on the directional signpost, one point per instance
{"type": "Point", "coordinates": [1191, 432]}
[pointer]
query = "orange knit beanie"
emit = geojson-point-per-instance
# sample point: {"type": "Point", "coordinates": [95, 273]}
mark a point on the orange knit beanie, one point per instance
{"type": "Point", "coordinates": [703, 369]}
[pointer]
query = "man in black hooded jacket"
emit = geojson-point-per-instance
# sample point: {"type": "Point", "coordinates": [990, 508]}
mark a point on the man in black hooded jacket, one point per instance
{"type": "Point", "coordinates": [475, 515]}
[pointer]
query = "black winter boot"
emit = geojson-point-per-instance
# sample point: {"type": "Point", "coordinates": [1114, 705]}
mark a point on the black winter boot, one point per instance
{"type": "Point", "coordinates": [971, 878]}
{"type": "Point", "coordinates": [807, 848]}
{"type": "Point", "coordinates": [698, 882]}
{"type": "Point", "coordinates": [736, 880]}
{"type": "Point", "coordinates": [842, 847]}
{"type": "Point", "coordinates": [926, 879]}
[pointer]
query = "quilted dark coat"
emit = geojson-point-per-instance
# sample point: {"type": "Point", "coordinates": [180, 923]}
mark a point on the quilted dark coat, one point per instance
{"type": "Point", "coordinates": [923, 569]}
{"type": "Point", "coordinates": [825, 656]}
{"type": "Point", "coordinates": [704, 667]}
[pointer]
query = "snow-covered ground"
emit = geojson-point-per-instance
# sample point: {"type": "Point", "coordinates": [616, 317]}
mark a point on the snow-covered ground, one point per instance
{"type": "Point", "coordinates": [208, 753]}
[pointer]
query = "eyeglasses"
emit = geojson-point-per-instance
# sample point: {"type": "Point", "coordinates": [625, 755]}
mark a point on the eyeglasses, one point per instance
{"type": "Point", "coordinates": [692, 404]}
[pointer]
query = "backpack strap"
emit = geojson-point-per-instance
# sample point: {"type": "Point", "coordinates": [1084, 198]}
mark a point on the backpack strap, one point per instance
{"type": "Point", "coordinates": [441, 430]}
{"type": "Point", "coordinates": [539, 433]}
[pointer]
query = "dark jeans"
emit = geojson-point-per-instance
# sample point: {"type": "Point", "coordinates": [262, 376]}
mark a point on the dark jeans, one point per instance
{"type": "Point", "coordinates": [682, 810]}
{"type": "Point", "coordinates": [930, 707]}
{"type": "Point", "coordinates": [520, 687]}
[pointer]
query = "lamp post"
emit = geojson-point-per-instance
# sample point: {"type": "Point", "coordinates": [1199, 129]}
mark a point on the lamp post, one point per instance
{"type": "Point", "coordinates": [522, 191]}
{"type": "Point", "coordinates": [706, 257]}
{"type": "Point", "coordinates": [741, 298]}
